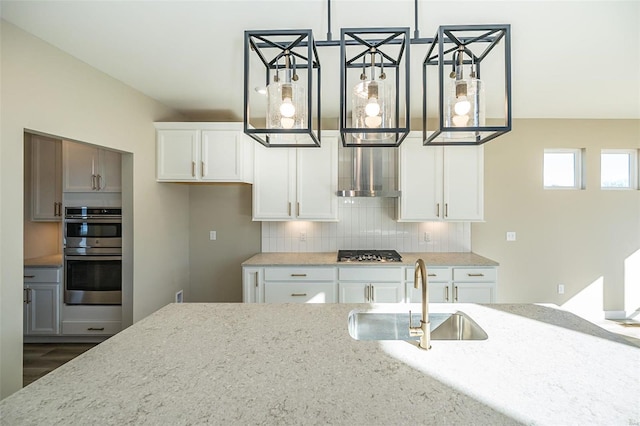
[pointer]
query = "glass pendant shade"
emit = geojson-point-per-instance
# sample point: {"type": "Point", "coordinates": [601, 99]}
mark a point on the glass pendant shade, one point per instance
{"type": "Point", "coordinates": [465, 107]}
{"type": "Point", "coordinates": [372, 108]}
{"type": "Point", "coordinates": [286, 106]}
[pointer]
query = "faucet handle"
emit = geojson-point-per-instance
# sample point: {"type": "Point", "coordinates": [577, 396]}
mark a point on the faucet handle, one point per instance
{"type": "Point", "coordinates": [414, 331]}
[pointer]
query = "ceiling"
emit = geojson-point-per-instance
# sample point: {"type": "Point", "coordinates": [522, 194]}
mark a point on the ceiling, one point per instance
{"type": "Point", "coordinates": [570, 59]}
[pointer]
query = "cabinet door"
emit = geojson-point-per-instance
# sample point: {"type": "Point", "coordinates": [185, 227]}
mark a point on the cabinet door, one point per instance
{"type": "Point", "coordinates": [79, 167]}
{"type": "Point", "coordinates": [252, 285]}
{"type": "Point", "coordinates": [438, 293]}
{"type": "Point", "coordinates": [274, 186]}
{"type": "Point", "coordinates": [109, 171]}
{"type": "Point", "coordinates": [474, 292]}
{"type": "Point", "coordinates": [178, 155]}
{"type": "Point", "coordinates": [353, 292]}
{"type": "Point", "coordinates": [420, 181]}
{"type": "Point", "coordinates": [221, 155]}
{"type": "Point", "coordinates": [386, 293]}
{"type": "Point", "coordinates": [317, 181]}
{"type": "Point", "coordinates": [464, 183]}
{"type": "Point", "coordinates": [293, 292]}
{"type": "Point", "coordinates": [43, 309]}
{"type": "Point", "coordinates": [46, 179]}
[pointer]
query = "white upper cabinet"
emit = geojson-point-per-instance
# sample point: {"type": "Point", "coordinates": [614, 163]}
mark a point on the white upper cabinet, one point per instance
{"type": "Point", "coordinates": [46, 179]}
{"type": "Point", "coordinates": [89, 169]}
{"type": "Point", "coordinates": [440, 183]}
{"type": "Point", "coordinates": [203, 152]}
{"type": "Point", "coordinates": [296, 183]}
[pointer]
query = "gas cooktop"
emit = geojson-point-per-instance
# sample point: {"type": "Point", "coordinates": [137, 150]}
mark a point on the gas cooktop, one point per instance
{"type": "Point", "coordinates": [369, 256]}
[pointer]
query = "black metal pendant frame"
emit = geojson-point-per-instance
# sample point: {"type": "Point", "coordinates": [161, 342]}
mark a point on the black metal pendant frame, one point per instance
{"type": "Point", "coordinates": [376, 38]}
{"type": "Point", "coordinates": [271, 46]}
{"type": "Point", "coordinates": [449, 39]}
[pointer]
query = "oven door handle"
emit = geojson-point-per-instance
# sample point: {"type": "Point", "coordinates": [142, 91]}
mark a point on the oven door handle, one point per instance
{"type": "Point", "coordinates": [91, 257]}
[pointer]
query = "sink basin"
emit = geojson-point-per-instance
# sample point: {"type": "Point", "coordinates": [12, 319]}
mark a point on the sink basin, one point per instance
{"type": "Point", "coordinates": [367, 325]}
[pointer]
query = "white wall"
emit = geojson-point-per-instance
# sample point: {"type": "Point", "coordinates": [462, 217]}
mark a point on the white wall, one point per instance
{"type": "Point", "coordinates": [46, 90]}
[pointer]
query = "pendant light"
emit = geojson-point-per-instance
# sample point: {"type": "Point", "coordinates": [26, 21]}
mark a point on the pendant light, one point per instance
{"type": "Point", "coordinates": [289, 62]}
{"type": "Point", "coordinates": [462, 105]}
{"type": "Point", "coordinates": [376, 101]}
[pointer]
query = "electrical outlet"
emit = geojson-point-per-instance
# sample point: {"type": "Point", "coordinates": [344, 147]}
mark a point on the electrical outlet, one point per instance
{"type": "Point", "coordinates": [511, 236]}
{"type": "Point", "coordinates": [560, 288]}
{"type": "Point", "coordinates": [179, 296]}
{"type": "Point", "coordinates": [303, 236]}
{"type": "Point", "coordinates": [427, 237]}
{"type": "Point", "coordinates": [213, 235]}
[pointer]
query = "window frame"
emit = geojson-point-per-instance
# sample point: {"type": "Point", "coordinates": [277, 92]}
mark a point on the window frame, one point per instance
{"type": "Point", "coordinates": [578, 167]}
{"type": "Point", "coordinates": [633, 169]}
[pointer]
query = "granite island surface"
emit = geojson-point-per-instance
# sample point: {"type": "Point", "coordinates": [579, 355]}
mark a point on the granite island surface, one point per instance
{"type": "Point", "coordinates": [297, 364]}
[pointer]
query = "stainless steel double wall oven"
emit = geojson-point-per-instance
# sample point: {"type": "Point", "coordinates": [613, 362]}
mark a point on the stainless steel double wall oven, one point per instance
{"type": "Point", "coordinates": [93, 256]}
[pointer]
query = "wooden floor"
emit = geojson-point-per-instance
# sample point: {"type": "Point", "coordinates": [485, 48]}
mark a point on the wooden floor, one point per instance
{"type": "Point", "coordinates": [40, 359]}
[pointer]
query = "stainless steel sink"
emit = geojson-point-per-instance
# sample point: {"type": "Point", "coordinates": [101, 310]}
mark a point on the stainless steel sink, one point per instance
{"type": "Point", "coordinates": [367, 325]}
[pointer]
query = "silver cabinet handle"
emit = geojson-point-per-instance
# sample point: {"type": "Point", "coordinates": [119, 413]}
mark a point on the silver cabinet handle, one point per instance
{"type": "Point", "coordinates": [372, 292]}
{"type": "Point", "coordinates": [446, 294]}
{"type": "Point", "coordinates": [99, 180]}
{"type": "Point", "coordinates": [298, 275]}
{"type": "Point", "coordinates": [475, 275]}
{"type": "Point", "coordinates": [203, 169]}
{"type": "Point", "coordinates": [438, 210]}
{"type": "Point", "coordinates": [93, 182]}
{"type": "Point", "coordinates": [256, 279]}
{"type": "Point", "coordinates": [366, 293]}
{"type": "Point", "coordinates": [193, 169]}
{"type": "Point", "coordinates": [29, 276]}
{"type": "Point", "coordinates": [298, 294]}
{"type": "Point", "coordinates": [289, 210]}
{"type": "Point", "coordinates": [298, 209]}
{"type": "Point", "coordinates": [446, 209]}
{"type": "Point", "coordinates": [95, 329]}
{"type": "Point", "coordinates": [455, 293]}
{"type": "Point", "coordinates": [431, 275]}
{"type": "Point", "coordinates": [26, 296]}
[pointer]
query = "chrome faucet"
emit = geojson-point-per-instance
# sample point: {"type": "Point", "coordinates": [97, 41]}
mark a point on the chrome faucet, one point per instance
{"type": "Point", "coordinates": [424, 330]}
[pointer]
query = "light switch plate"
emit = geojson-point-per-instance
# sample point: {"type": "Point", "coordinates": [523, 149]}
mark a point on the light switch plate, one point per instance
{"type": "Point", "coordinates": [511, 236]}
{"type": "Point", "coordinates": [213, 235]}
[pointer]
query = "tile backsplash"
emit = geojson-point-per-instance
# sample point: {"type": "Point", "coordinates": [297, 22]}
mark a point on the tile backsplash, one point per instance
{"type": "Point", "coordinates": [366, 223]}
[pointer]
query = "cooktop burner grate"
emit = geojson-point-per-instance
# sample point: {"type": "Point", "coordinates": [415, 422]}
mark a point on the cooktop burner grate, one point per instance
{"type": "Point", "coordinates": [369, 256]}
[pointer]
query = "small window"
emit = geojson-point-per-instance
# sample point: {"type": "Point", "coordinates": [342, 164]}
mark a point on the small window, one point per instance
{"type": "Point", "coordinates": [618, 169]}
{"type": "Point", "coordinates": [563, 169]}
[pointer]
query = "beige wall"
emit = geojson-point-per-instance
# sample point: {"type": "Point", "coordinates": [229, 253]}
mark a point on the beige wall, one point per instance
{"type": "Point", "coordinates": [570, 237]}
{"type": "Point", "coordinates": [215, 271]}
{"type": "Point", "coordinates": [46, 90]}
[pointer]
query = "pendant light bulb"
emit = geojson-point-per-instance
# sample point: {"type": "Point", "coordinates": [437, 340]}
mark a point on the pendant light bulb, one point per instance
{"type": "Point", "coordinates": [287, 109]}
{"type": "Point", "coordinates": [462, 106]}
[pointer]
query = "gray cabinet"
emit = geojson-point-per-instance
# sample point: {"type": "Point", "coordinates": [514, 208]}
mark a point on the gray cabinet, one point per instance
{"type": "Point", "coordinates": [42, 292]}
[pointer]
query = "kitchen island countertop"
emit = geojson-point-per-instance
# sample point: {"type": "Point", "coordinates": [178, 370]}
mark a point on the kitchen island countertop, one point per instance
{"type": "Point", "coordinates": [331, 259]}
{"type": "Point", "coordinates": [297, 364]}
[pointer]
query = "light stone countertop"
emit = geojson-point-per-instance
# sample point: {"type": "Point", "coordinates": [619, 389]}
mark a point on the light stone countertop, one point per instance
{"type": "Point", "coordinates": [52, 261]}
{"type": "Point", "coordinates": [297, 364]}
{"type": "Point", "coordinates": [330, 258]}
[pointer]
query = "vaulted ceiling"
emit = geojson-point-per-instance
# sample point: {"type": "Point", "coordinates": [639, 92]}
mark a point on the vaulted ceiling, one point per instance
{"type": "Point", "coordinates": [571, 59]}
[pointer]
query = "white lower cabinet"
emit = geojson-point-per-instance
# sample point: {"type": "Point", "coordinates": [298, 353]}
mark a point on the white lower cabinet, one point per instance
{"type": "Point", "coordinates": [298, 285]}
{"type": "Point", "coordinates": [91, 320]}
{"type": "Point", "coordinates": [456, 285]}
{"type": "Point", "coordinates": [42, 291]}
{"type": "Point", "coordinates": [364, 284]}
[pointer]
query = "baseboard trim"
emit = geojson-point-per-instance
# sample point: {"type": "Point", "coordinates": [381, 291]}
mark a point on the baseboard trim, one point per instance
{"type": "Point", "coordinates": [620, 315]}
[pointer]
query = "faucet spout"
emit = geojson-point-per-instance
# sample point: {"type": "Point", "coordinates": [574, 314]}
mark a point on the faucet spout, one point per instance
{"type": "Point", "coordinates": [424, 330]}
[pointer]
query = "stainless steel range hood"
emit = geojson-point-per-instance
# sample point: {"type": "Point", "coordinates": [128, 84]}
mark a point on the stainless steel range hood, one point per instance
{"type": "Point", "coordinates": [372, 173]}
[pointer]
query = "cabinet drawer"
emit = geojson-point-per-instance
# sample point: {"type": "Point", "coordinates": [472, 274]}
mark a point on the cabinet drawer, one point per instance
{"type": "Point", "coordinates": [101, 328]}
{"type": "Point", "coordinates": [300, 292]}
{"type": "Point", "coordinates": [434, 274]}
{"type": "Point", "coordinates": [372, 274]}
{"type": "Point", "coordinates": [474, 274]}
{"type": "Point", "coordinates": [299, 274]}
{"type": "Point", "coordinates": [41, 275]}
